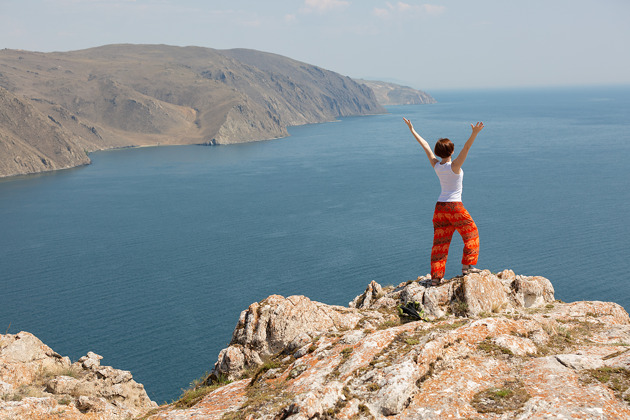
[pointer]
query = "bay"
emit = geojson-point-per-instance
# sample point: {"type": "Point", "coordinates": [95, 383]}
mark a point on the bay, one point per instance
{"type": "Point", "coordinates": [149, 255]}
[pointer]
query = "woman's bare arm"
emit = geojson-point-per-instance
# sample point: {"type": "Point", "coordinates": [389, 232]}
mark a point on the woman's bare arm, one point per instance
{"type": "Point", "coordinates": [461, 158]}
{"type": "Point", "coordinates": [423, 143]}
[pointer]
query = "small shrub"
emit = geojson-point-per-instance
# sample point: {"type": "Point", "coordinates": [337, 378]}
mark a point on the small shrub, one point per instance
{"type": "Point", "coordinates": [489, 347]}
{"type": "Point", "coordinates": [262, 369]}
{"type": "Point", "coordinates": [199, 388]}
{"type": "Point", "coordinates": [511, 396]}
{"type": "Point", "coordinates": [412, 341]}
{"type": "Point", "coordinates": [192, 396]}
{"type": "Point", "coordinates": [459, 308]}
{"type": "Point", "coordinates": [373, 387]}
{"type": "Point", "coordinates": [261, 396]}
{"type": "Point", "coordinates": [345, 353]}
{"type": "Point", "coordinates": [363, 409]}
{"type": "Point", "coordinates": [22, 392]}
{"type": "Point", "coordinates": [453, 325]}
{"type": "Point", "coordinates": [388, 324]}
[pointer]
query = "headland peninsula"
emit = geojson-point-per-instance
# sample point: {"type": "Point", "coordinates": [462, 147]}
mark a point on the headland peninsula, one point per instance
{"type": "Point", "coordinates": [56, 108]}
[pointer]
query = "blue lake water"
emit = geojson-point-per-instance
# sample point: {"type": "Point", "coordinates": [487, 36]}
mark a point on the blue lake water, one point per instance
{"type": "Point", "coordinates": [148, 255]}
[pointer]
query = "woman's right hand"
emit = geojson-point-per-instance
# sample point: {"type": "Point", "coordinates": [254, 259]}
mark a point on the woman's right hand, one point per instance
{"type": "Point", "coordinates": [408, 123]}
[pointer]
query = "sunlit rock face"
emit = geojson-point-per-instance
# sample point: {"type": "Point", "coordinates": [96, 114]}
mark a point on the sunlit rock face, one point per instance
{"type": "Point", "coordinates": [487, 346]}
{"type": "Point", "coordinates": [38, 383]}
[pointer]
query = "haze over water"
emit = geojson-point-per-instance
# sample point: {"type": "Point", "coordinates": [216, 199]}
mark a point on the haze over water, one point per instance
{"type": "Point", "coordinates": [148, 256]}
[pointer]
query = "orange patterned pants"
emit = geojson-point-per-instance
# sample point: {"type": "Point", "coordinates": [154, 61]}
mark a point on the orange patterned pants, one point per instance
{"type": "Point", "coordinates": [447, 218]}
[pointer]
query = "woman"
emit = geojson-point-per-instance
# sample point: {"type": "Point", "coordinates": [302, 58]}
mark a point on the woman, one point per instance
{"type": "Point", "coordinates": [450, 214]}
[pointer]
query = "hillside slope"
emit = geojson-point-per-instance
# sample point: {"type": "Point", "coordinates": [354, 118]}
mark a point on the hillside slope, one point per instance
{"type": "Point", "coordinates": [134, 95]}
{"type": "Point", "coordinates": [30, 141]}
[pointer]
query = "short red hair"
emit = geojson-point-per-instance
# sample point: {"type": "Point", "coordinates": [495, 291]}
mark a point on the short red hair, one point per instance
{"type": "Point", "coordinates": [444, 148]}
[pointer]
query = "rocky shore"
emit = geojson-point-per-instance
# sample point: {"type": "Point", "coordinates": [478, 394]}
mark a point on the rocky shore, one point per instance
{"type": "Point", "coordinates": [483, 346]}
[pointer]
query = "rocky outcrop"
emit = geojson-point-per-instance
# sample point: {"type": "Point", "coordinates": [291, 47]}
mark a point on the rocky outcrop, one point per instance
{"type": "Point", "coordinates": [38, 383]}
{"type": "Point", "coordinates": [472, 295]}
{"type": "Point", "coordinates": [141, 95]}
{"type": "Point", "coordinates": [488, 346]}
{"type": "Point", "coordinates": [288, 325]}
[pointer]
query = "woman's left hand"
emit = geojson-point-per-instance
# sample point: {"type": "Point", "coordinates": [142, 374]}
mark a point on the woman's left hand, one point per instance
{"type": "Point", "coordinates": [477, 127]}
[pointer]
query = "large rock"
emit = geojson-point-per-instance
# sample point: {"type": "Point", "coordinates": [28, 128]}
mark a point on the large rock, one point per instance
{"type": "Point", "coordinates": [502, 349]}
{"type": "Point", "coordinates": [473, 294]}
{"type": "Point", "coordinates": [279, 324]}
{"type": "Point", "coordinates": [36, 382]}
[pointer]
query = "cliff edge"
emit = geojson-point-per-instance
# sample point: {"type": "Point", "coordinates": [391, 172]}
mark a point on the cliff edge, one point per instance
{"type": "Point", "coordinates": [482, 346]}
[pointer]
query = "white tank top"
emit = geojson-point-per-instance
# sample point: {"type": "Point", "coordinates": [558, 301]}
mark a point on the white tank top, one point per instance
{"type": "Point", "coordinates": [450, 182]}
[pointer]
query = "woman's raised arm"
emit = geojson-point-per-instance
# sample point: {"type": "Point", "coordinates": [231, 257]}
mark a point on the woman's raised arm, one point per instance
{"type": "Point", "coordinates": [423, 143]}
{"type": "Point", "coordinates": [461, 158]}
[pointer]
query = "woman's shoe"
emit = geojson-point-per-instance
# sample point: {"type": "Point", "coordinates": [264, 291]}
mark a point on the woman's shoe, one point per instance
{"type": "Point", "coordinates": [435, 282]}
{"type": "Point", "coordinates": [470, 270]}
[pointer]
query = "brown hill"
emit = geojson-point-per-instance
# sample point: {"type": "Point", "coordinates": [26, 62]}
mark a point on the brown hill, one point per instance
{"type": "Point", "coordinates": [30, 141]}
{"type": "Point", "coordinates": [134, 95]}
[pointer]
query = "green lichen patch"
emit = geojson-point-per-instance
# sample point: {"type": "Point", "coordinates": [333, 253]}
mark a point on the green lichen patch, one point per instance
{"type": "Point", "coordinates": [345, 353]}
{"type": "Point", "coordinates": [388, 324]}
{"type": "Point", "coordinates": [489, 346]}
{"type": "Point", "coordinates": [617, 379]}
{"type": "Point", "coordinates": [509, 397]}
{"type": "Point", "coordinates": [569, 335]}
{"type": "Point", "coordinates": [262, 398]}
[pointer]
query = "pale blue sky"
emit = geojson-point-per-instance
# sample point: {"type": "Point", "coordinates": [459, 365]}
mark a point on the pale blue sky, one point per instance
{"type": "Point", "coordinates": [426, 44]}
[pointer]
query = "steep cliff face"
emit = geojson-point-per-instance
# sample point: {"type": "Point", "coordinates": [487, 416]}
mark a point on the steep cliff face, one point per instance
{"type": "Point", "coordinates": [484, 346]}
{"type": "Point", "coordinates": [394, 94]}
{"type": "Point", "coordinates": [131, 95]}
{"type": "Point", "coordinates": [31, 141]}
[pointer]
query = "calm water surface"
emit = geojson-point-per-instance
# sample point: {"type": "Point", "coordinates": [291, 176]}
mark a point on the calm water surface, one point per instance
{"type": "Point", "coordinates": [147, 256]}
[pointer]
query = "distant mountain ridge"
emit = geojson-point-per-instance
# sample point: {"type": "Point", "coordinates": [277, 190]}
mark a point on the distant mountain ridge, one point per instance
{"type": "Point", "coordinates": [139, 95]}
{"type": "Point", "coordinates": [394, 94]}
